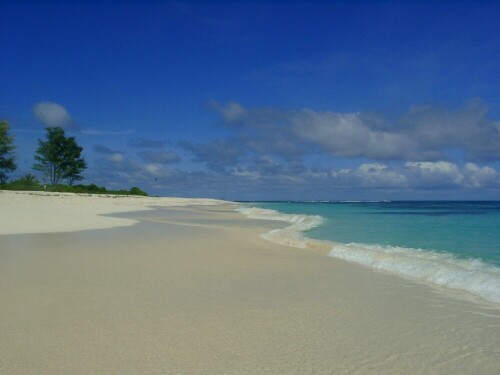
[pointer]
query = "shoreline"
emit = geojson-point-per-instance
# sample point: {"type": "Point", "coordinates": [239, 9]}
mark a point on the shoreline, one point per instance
{"type": "Point", "coordinates": [470, 279]}
{"type": "Point", "coordinates": [194, 289]}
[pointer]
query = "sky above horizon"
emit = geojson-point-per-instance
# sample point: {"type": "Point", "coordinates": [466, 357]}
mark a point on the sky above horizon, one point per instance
{"type": "Point", "coordinates": [262, 100]}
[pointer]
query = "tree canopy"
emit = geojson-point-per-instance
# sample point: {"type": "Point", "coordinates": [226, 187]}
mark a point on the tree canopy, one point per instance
{"type": "Point", "coordinates": [7, 163]}
{"type": "Point", "coordinates": [59, 157]}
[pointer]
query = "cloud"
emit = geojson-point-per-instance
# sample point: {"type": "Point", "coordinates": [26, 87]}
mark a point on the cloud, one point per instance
{"type": "Point", "coordinates": [468, 129]}
{"type": "Point", "coordinates": [478, 177]}
{"type": "Point", "coordinates": [349, 135]}
{"type": "Point", "coordinates": [231, 112]}
{"type": "Point", "coordinates": [115, 170]}
{"type": "Point", "coordinates": [275, 153]}
{"type": "Point", "coordinates": [424, 133]}
{"type": "Point", "coordinates": [379, 175]}
{"type": "Point", "coordinates": [105, 132]}
{"type": "Point", "coordinates": [116, 157]}
{"type": "Point", "coordinates": [278, 179]}
{"type": "Point", "coordinates": [217, 154]}
{"type": "Point", "coordinates": [262, 130]}
{"type": "Point", "coordinates": [52, 114]}
{"type": "Point", "coordinates": [369, 175]}
{"type": "Point", "coordinates": [441, 174]}
{"type": "Point", "coordinates": [267, 165]}
{"type": "Point", "coordinates": [160, 157]}
{"type": "Point", "coordinates": [100, 149]}
{"type": "Point", "coordinates": [417, 175]}
{"type": "Point", "coordinates": [111, 155]}
{"type": "Point", "coordinates": [146, 143]}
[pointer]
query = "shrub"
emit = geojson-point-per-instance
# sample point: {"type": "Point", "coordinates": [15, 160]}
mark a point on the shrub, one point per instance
{"type": "Point", "coordinates": [136, 191]}
{"type": "Point", "coordinates": [27, 182]}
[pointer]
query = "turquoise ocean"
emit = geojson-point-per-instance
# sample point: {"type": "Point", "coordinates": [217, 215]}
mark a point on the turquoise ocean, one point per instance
{"type": "Point", "coordinates": [451, 244]}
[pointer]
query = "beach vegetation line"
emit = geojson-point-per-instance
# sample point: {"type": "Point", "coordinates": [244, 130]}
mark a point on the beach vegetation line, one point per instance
{"type": "Point", "coordinates": [30, 183]}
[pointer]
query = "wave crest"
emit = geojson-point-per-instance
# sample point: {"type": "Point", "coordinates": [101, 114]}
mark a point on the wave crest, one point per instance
{"type": "Point", "coordinates": [291, 235]}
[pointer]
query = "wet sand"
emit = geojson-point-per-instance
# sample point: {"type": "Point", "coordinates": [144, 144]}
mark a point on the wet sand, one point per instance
{"type": "Point", "coordinates": [195, 290]}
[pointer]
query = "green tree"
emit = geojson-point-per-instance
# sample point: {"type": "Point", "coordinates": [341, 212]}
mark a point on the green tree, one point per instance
{"type": "Point", "coordinates": [7, 163]}
{"type": "Point", "coordinates": [59, 157]}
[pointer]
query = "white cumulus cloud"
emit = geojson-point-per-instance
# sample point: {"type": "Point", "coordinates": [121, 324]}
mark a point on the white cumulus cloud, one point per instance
{"type": "Point", "coordinates": [347, 134]}
{"type": "Point", "coordinates": [424, 133]}
{"type": "Point", "coordinates": [434, 174]}
{"type": "Point", "coordinates": [52, 114]}
{"type": "Point", "coordinates": [374, 175]}
{"type": "Point", "coordinates": [478, 177]}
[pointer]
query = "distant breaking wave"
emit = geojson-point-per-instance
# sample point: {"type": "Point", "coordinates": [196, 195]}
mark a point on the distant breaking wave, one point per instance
{"type": "Point", "coordinates": [443, 269]}
{"type": "Point", "coordinates": [319, 201]}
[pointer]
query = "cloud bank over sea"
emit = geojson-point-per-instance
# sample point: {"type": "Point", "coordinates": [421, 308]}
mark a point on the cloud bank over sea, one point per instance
{"type": "Point", "coordinates": [266, 150]}
{"type": "Point", "coordinates": [429, 151]}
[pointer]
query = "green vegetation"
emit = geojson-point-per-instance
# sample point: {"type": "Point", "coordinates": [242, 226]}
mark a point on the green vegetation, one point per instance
{"type": "Point", "coordinates": [6, 156]}
{"type": "Point", "coordinates": [29, 182]}
{"type": "Point", "coordinates": [59, 157]}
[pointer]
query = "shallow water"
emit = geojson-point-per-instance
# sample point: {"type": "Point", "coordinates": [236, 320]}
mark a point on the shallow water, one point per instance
{"type": "Point", "coordinates": [452, 244]}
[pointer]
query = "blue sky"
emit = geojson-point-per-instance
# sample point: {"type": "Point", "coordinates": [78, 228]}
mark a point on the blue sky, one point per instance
{"type": "Point", "coordinates": [262, 100]}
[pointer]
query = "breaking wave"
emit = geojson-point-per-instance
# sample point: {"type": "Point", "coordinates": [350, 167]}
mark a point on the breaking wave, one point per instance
{"type": "Point", "coordinates": [443, 269]}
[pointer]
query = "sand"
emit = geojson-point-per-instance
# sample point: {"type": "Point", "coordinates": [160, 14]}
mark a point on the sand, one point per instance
{"type": "Point", "coordinates": [195, 290]}
{"type": "Point", "coordinates": [43, 212]}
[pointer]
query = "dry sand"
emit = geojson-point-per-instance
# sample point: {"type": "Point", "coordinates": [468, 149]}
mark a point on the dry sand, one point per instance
{"type": "Point", "coordinates": [194, 290]}
{"type": "Point", "coordinates": [41, 212]}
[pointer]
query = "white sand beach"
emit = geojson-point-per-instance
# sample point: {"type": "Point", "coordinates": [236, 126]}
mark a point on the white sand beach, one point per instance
{"type": "Point", "coordinates": [41, 212]}
{"type": "Point", "coordinates": [135, 285]}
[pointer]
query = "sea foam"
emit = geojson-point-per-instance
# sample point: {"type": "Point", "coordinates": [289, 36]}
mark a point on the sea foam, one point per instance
{"type": "Point", "coordinates": [291, 235]}
{"type": "Point", "coordinates": [443, 269]}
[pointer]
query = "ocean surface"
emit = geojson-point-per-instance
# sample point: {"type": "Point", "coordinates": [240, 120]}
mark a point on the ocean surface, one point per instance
{"type": "Point", "coordinates": [451, 244]}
